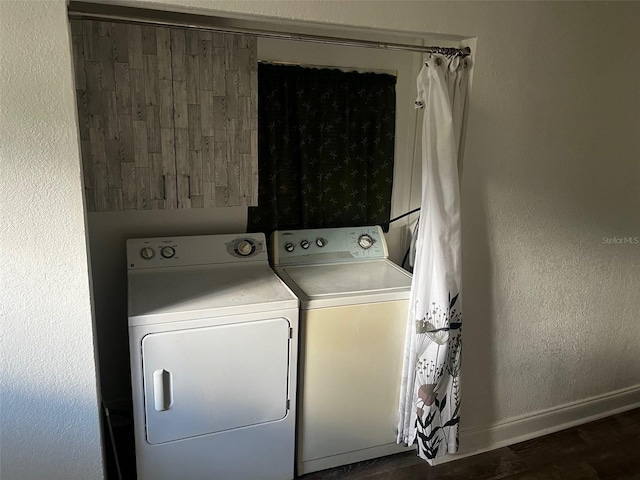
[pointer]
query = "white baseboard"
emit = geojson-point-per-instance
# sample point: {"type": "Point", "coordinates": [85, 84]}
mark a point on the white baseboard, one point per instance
{"type": "Point", "coordinates": [533, 425]}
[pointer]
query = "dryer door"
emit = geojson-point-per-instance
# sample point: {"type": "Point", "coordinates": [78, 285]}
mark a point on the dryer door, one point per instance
{"type": "Point", "coordinates": [208, 380]}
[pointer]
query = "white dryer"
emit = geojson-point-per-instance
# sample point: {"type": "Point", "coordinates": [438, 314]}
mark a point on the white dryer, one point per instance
{"type": "Point", "coordinates": [213, 344]}
{"type": "Point", "coordinates": [352, 330]}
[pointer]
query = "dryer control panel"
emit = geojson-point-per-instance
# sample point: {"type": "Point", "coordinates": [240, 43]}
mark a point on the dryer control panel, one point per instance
{"type": "Point", "coordinates": [327, 245]}
{"type": "Point", "coordinates": [195, 250]}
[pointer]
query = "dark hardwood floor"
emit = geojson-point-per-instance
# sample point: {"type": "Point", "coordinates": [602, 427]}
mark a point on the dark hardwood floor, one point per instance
{"type": "Point", "coordinates": [607, 449]}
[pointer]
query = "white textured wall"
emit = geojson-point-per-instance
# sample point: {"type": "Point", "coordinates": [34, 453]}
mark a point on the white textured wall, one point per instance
{"type": "Point", "coordinates": [552, 166]}
{"type": "Point", "coordinates": [49, 416]}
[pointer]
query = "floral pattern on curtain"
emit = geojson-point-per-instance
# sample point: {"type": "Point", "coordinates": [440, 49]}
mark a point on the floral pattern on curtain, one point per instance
{"type": "Point", "coordinates": [326, 148]}
{"type": "Point", "coordinates": [429, 411]}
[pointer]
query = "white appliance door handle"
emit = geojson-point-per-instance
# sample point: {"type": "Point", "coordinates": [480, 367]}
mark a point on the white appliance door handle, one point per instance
{"type": "Point", "coordinates": [162, 395]}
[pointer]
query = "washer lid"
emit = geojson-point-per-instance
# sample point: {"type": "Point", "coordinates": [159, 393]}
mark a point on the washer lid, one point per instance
{"type": "Point", "coordinates": [160, 295]}
{"type": "Point", "coordinates": [331, 284]}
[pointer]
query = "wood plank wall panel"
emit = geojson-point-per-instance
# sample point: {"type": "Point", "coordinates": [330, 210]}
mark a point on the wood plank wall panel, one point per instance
{"type": "Point", "coordinates": [167, 117]}
{"type": "Point", "coordinates": [120, 113]}
{"type": "Point", "coordinates": [214, 95]}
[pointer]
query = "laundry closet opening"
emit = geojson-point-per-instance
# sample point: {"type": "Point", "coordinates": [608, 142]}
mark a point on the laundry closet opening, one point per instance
{"type": "Point", "coordinates": [109, 230]}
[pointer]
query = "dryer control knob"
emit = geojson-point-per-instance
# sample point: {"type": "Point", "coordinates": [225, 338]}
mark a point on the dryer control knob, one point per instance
{"type": "Point", "coordinates": [289, 247]}
{"type": "Point", "coordinates": [147, 253]}
{"type": "Point", "coordinates": [321, 242]}
{"type": "Point", "coordinates": [168, 252]}
{"type": "Point", "coordinates": [304, 244]}
{"type": "Point", "coordinates": [245, 248]}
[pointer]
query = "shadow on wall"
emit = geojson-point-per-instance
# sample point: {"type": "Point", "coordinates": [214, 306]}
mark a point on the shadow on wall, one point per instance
{"type": "Point", "coordinates": [478, 403]}
{"type": "Point", "coordinates": [108, 233]}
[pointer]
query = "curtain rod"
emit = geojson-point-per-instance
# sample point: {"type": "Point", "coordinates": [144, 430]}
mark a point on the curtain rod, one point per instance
{"type": "Point", "coordinates": [143, 16]}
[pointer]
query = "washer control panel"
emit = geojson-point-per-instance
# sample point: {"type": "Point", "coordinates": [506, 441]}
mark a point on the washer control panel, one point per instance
{"type": "Point", "coordinates": [327, 245]}
{"type": "Point", "coordinates": [195, 250]}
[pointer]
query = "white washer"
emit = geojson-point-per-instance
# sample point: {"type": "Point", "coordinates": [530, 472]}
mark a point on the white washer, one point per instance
{"type": "Point", "coordinates": [352, 329]}
{"type": "Point", "coordinates": [213, 344]}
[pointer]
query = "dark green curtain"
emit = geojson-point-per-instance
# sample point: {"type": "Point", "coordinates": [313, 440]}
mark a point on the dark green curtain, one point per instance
{"type": "Point", "coordinates": [325, 148]}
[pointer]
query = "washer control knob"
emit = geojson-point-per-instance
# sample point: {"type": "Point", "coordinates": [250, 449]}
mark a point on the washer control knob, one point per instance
{"type": "Point", "coordinates": [168, 252]}
{"type": "Point", "coordinates": [289, 247]}
{"type": "Point", "coordinates": [304, 244]}
{"type": "Point", "coordinates": [147, 253]}
{"type": "Point", "coordinates": [365, 241]}
{"type": "Point", "coordinates": [321, 242]}
{"type": "Point", "coordinates": [245, 248]}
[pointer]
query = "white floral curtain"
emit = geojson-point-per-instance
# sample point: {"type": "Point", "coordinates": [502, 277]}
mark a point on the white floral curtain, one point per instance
{"type": "Point", "coordinates": [429, 410]}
